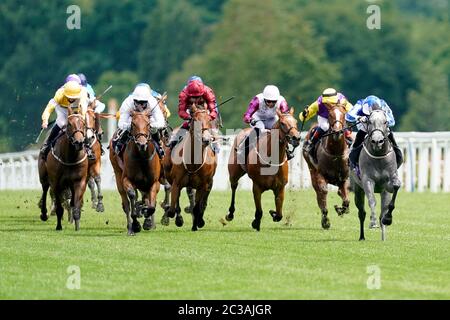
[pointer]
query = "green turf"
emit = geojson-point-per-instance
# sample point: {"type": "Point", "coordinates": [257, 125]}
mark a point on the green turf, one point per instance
{"type": "Point", "coordinates": [300, 261]}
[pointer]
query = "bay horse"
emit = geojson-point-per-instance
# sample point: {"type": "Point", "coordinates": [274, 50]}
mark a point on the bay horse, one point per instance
{"type": "Point", "coordinates": [378, 173]}
{"type": "Point", "coordinates": [94, 178]}
{"type": "Point", "coordinates": [138, 171]}
{"type": "Point", "coordinates": [332, 163]}
{"type": "Point", "coordinates": [66, 167]}
{"type": "Point", "coordinates": [197, 172]}
{"type": "Point", "coordinates": [264, 174]}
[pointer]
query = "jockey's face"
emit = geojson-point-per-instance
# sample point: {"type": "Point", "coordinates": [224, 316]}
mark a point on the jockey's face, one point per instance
{"type": "Point", "coordinates": [71, 100]}
{"type": "Point", "coordinates": [142, 105]}
{"type": "Point", "coordinates": [270, 103]}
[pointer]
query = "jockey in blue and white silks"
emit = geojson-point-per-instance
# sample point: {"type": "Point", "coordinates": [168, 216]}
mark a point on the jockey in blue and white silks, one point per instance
{"type": "Point", "coordinates": [363, 108]}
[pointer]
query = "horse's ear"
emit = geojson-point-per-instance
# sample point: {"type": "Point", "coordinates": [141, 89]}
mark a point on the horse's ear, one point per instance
{"type": "Point", "coordinates": [69, 110]}
{"type": "Point", "coordinates": [278, 112]}
{"type": "Point", "coordinates": [291, 111]}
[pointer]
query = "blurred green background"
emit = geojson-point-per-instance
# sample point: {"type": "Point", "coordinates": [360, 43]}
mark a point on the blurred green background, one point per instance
{"type": "Point", "coordinates": [236, 46]}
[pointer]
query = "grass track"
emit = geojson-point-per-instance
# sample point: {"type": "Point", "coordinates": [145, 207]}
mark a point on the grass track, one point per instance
{"type": "Point", "coordinates": [232, 262]}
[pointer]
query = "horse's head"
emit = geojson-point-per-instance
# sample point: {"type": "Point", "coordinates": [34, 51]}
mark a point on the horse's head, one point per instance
{"type": "Point", "coordinates": [76, 129]}
{"type": "Point", "coordinates": [288, 127]}
{"type": "Point", "coordinates": [140, 128]}
{"type": "Point", "coordinates": [377, 129]}
{"type": "Point", "coordinates": [90, 125]}
{"type": "Point", "coordinates": [336, 118]}
{"type": "Point", "coordinates": [200, 124]}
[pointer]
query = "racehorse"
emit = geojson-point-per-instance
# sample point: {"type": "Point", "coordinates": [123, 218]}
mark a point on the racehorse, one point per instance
{"type": "Point", "coordinates": [66, 167]}
{"type": "Point", "coordinates": [94, 178]}
{"type": "Point", "coordinates": [264, 174]}
{"type": "Point", "coordinates": [138, 171]}
{"type": "Point", "coordinates": [378, 173]}
{"type": "Point", "coordinates": [332, 163]}
{"type": "Point", "coordinates": [196, 173]}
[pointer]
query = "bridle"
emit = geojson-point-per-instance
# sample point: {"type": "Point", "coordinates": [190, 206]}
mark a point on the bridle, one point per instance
{"type": "Point", "coordinates": [71, 135]}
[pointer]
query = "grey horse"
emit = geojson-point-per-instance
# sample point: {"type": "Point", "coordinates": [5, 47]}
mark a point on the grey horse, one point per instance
{"type": "Point", "coordinates": [378, 173]}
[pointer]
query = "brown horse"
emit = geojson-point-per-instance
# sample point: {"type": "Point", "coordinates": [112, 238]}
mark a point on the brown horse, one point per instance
{"type": "Point", "coordinates": [66, 167]}
{"type": "Point", "coordinates": [138, 171]}
{"type": "Point", "coordinates": [332, 164]}
{"type": "Point", "coordinates": [94, 178]}
{"type": "Point", "coordinates": [259, 167]}
{"type": "Point", "coordinates": [192, 163]}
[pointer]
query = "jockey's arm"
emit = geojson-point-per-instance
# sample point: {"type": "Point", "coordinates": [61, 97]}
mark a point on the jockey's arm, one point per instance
{"type": "Point", "coordinates": [284, 108]}
{"type": "Point", "coordinates": [125, 117]}
{"type": "Point", "coordinates": [348, 106]}
{"type": "Point", "coordinates": [352, 114]}
{"type": "Point", "coordinates": [252, 108]}
{"type": "Point", "coordinates": [389, 115]}
{"type": "Point", "coordinates": [182, 107]}
{"type": "Point", "coordinates": [48, 111]}
{"type": "Point", "coordinates": [311, 109]}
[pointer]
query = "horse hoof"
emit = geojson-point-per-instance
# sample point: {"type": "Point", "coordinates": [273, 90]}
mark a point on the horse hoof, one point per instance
{"type": "Point", "coordinates": [94, 205]}
{"type": "Point", "coordinates": [188, 209]}
{"type": "Point", "coordinates": [387, 221]}
{"type": "Point", "coordinates": [43, 217]}
{"type": "Point", "coordinates": [100, 207]}
{"type": "Point", "coordinates": [229, 217]}
{"type": "Point", "coordinates": [170, 213]}
{"type": "Point", "coordinates": [77, 225]}
{"type": "Point", "coordinates": [194, 228]}
{"type": "Point", "coordinates": [131, 233]}
{"type": "Point", "coordinates": [373, 224]}
{"type": "Point", "coordinates": [326, 223]}
{"type": "Point", "coordinates": [148, 224]}
{"type": "Point", "coordinates": [179, 221]}
{"type": "Point", "coordinates": [256, 224]}
{"type": "Point", "coordinates": [165, 220]}
{"type": "Point", "coordinates": [201, 223]}
{"type": "Point", "coordinates": [362, 239]}
{"type": "Point", "coordinates": [58, 228]}
{"type": "Point", "coordinates": [275, 216]}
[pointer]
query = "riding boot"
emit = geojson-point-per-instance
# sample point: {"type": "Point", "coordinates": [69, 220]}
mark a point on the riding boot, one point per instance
{"type": "Point", "coordinates": [99, 137]}
{"type": "Point", "coordinates": [356, 148]}
{"type": "Point", "coordinates": [313, 141]}
{"type": "Point", "coordinates": [157, 143]}
{"type": "Point", "coordinates": [49, 141]}
{"type": "Point", "coordinates": [122, 139]}
{"type": "Point", "coordinates": [397, 150]}
{"type": "Point", "coordinates": [289, 153]}
{"type": "Point", "coordinates": [251, 140]}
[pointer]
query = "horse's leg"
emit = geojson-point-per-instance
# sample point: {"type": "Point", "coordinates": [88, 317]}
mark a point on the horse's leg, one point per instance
{"type": "Point", "coordinates": [256, 224]}
{"type": "Point", "coordinates": [279, 198]}
{"type": "Point", "coordinates": [196, 212]}
{"type": "Point", "coordinates": [178, 217]}
{"type": "Point", "coordinates": [150, 204]}
{"type": "Point", "coordinates": [321, 188]}
{"type": "Point", "coordinates": [98, 181]}
{"type": "Point", "coordinates": [174, 197]}
{"type": "Point", "coordinates": [359, 202]}
{"type": "Point", "coordinates": [385, 201]}
{"type": "Point", "coordinates": [91, 185]}
{"type": "Point", "coordinates": [387, 218]}
{"type": "Point", "coordinates": [191, 195]}
{"type": "Point", "coordinates": [53, 207]}
{"type": "Point", "coordinates": [236, 173]}
{"type": "Point", "coordinates": [368, 186]}
{"type": "Point", "coordinates": [59, 211]}
{"type": "Point", "coordinates": [165, 204]}
{"type": "Point", "coordinates": [203, 204]}
{"type": "Point", "coordinates": [77, 195]}
{"type": "Point", "coordinates": [43, 201]}
{"type": "Point", "coordinates": [343, 193]}
{"type": "Point", "coordinates": [127, 210]}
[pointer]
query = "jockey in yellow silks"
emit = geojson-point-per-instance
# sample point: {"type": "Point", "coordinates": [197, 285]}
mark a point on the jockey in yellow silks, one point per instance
{"type": "Point", "coordinates": [71, 94]}
{"type": "Point", "coordinates": [329, 97]}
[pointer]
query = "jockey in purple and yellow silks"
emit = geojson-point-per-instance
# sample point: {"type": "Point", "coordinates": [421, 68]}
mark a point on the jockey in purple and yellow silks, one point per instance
{"type": "Point", "coordinates": [329, 97]}
{"type": "Point", "coordinates": [71, 94]}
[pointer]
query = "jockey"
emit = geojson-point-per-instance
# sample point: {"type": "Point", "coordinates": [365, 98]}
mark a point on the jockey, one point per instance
{"type": "Point", "coordinates": [361, 110]}
{"type": "Point", "coordinates": [73, 95]}
{"type": "Point", "coordinates": [261, 112]}
{"type": "Point", "coordinates": [140, 100]}
{"type": "Point", "coordinates": [329, 97]}
{"type": "Point", "coordinates": [200, 94]}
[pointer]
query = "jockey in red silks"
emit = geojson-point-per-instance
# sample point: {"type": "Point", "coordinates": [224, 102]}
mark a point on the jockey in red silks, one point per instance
{"type": "Point", "coordinates": [200, 94]}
